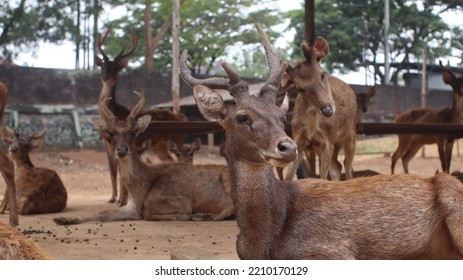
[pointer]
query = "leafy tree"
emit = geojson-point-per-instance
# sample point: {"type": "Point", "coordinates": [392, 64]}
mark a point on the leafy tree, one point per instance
{"type": "Point", "coordinates": [354, 31]}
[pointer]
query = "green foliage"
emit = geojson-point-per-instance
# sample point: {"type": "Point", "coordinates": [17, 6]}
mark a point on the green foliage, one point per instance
{"type": "Point", "coordinates": [355, 33]}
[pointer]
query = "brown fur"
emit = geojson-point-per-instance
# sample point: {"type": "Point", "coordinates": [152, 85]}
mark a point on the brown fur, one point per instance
{"type": "Point", "coordinates": [168, 151]}
{"type": "Point", "coordinates": [378, 217]}
{"type": "Point", "coordinates": [316, 127]}
{"type": "Point", "coordinates": [110, 70]}
{"type": "Point", "coordinates": [167, 191]}
{"type": "Point", "coordinates": [409, 144]}
{"type": "Point", "coordinates": [38, 190]}
{"type": "Point", "coordinates": [16, 246]}
{"type": "Point", "coordinates": [363, 100]}
{"type": "Point", "coordinates": [7, 168]}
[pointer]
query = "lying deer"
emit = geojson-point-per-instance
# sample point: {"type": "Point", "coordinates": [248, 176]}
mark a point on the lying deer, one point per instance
{"type": "Point", "coordinates": [109, 77]}
{"type": "Point", "coordinates": [38, 190]}
{"type": "Point", "coordinates": [363, 100]}
{"type": "Point", "coordinates": [380, 217]}
{"type": "Point", "coordinates": [410, 144]}
{"type": "Point", "coordinates": [169, 151]}
{"type": "Point", "coordinates": [324, 114]}
{"type": "Point", "coordinates": [166, 191]}
{"type": "Point", "coordinates": [16, 246]}
{"type": "Point", "coordinates": [7, 167]}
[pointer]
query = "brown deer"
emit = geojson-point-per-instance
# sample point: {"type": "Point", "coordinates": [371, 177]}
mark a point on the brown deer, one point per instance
{"type": "Point", "coordinates": [363, 100]}
{"type": "Point", "coordinates": [109, 77]}
{"type": "Point", "coordinates": [409, 144]}
{"type": "Point", "coordinates": [166, 191]}
{"type": "Point", "coordinates": [16, 246]}
{"type": "Point", "coordinates": [379, 217]}
{"type": "Point", "coordinates": [38, 190]}
{"type": "Point", "coordinates": [169, 151]}
{"type": "Point", "coordinates": [324, 113]}
{"type": "Point", "coordinates": [7, 167]}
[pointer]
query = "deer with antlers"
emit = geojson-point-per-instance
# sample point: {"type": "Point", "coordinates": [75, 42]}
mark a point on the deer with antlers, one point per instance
{"type": "Point", "coordinates": [379, 217]}
{"type": "Point", "coordinates": [409, 144]}
{"type": "Point", "coordinates": [109, 76]}
{"type": "Point", "coordinates": [324, 114]}
{"type": "Point", "coordinates": [166, 191]}
{"type": "Point", "coordinates": [7, 167]}
{"type": "Point", "coordinates": [38, 190]}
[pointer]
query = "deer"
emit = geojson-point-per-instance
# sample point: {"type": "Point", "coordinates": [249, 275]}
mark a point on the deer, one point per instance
{"type": "Point", "coordinates": [324, 114]}
{"type": "Point", "coordinates": [402, 216]}
{"type": "Point", "coordinates": [38, 190]}
{"type": "Point", "coordinates": [165, 191]}
{"type": "Point", "coordinates": [7, 167]}
{"type": "Point", "coordinates": [409, 144]}
{"type": "Point", "coordinates": [169, 151]}
{"type": "Point", "coordinates": [15, 246]}
{"type": "Point", "coordinates": [363, 100]}
{"type": "Point", "coordinates": [110, 70]}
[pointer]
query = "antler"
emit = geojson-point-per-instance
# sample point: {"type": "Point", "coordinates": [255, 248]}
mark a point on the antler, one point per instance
{"type": "Point", "coordinates": [101, 41]}
{"type": "Point", "coordinates": [138, 107]}
{"type": "Point", "coordinates": [36, 136]}
{"type": "Point", "coordinates": [106, 114]}
{"type": "Point", "coordinates": [120, 55]}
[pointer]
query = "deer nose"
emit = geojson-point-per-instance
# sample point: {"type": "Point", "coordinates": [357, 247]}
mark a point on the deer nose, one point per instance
{"type": "Point", "coordinates": [327, 111]}
{"type": "Point", "coordinates": [122, 151]}
{"type": "Point", "coordinates": [287, 149]}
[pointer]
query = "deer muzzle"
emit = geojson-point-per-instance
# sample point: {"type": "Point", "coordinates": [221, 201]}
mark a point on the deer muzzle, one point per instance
{"type": "Point", "coordinates": [284, 152]}
{"type": "Point", "coordinates": [122, 151]}
{"type": "Point", "coordinates": [327, 111]}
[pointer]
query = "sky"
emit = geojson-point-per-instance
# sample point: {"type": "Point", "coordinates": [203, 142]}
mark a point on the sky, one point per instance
{"type": "Point", "coordinates": [63, 55]}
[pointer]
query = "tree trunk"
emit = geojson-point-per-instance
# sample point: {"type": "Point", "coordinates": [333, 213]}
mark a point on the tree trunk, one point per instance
{"type": "Point", "coordinates": [149, 51]}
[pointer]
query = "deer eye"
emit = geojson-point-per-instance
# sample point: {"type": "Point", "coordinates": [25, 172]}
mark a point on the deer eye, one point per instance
{"type": "Point", "coordinates": [241, 118]}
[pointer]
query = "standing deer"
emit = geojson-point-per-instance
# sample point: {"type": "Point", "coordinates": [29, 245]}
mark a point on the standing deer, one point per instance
{"type": "Point", "coordinates": [7, 167]}
{"type": "Point", "coordinates": [109, 77]}
{"type": "Point", "coordinates": [16, 246]}
{"type": "Point", "coordinates": [324, 114]}
{"type": "Point", "coordinates": [363, 100]}
{"type": "Point", "coordinates": [166, 191]}
{"type": "Point", "coordinates": [38, 190]}
{"type": "Point", "coordinates": [380, 217]}
{"type": "Point", "coordinates": [409, 144]}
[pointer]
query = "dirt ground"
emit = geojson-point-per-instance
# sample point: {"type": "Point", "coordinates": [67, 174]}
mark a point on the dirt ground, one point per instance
{"type": "Point", "coordinates": [86, 178]}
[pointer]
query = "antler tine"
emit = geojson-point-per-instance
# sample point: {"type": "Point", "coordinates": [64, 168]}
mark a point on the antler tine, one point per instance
{"type": "Point", "coordinates": [101, 41]}
{"type": "Point", "coordinates": [134, 47]}
{"type": "Point", "coordinates": [273, 57]}
{"type": "Point", "coordinates": [215, 83]}
{"type": "Point", "coordinates": [106, 114]}
{"type": "Point", "coordinates": [139, 107]}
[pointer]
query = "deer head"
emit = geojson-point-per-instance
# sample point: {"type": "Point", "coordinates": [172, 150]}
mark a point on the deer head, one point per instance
{"type": "Point", "coordinates": [450, 79]}
{"type": "Point", "coordinates": [19, 148]}
{"type": "Point", "coordinates": [309, 79]}
{"type": "Point", "coordinates": [363, 99]}
{"type": "Point", "coordinates": [110, 69]}
{"type": "Point", "coordinates": [184, 154]}
{"type": "Point", "coordinates": [252, 119]}
{"type": "Point", "coordinates": [122, 133]}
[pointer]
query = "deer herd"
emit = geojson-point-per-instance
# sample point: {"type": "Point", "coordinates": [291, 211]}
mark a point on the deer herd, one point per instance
{"type": "Point", "coordinates": [402, 216]}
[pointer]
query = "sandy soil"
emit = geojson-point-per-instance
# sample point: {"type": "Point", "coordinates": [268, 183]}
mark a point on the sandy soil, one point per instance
{"type": "Point", "coordinates": [86, 178]}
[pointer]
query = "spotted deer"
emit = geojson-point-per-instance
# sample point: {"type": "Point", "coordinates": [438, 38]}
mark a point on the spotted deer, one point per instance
{"type": "Point", "coordinates": [380, 217]}
{"type": "Point", "coordinates": [110, 70]}
{"type": "Point", "coordinates": [7, 167]}
{"type": "Point", "coordinates": [409, 144]}
{"type": "Point", "coordinates": [165, 191]}
{"type": "Point", "coordinates": [15, 246]}
{"type": "Point", "coordinates": [38, 190]}
{"type": "Point", "coordinates": [324, 114]}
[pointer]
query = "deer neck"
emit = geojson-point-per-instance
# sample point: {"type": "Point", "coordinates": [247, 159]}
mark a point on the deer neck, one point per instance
{"type": "Point", "coordinates": [260, 204]}
{"type": "Point", "coordinates": [108, 91]}
{"type": "Point", "coordinates": [457, 108]}
{"type": "Point", "coordinates": [25, 163]}
{"type": "Point", "coordinates": [134, 176]}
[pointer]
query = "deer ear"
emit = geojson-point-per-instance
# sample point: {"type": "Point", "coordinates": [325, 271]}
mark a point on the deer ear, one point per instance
{"type": "Point", "coordinates": [124, 62]}
{"type": "Point", "coordinates": [37, 142]}
{"type": "Point", "coordinates": [98, 61]}
{"type": "Point", "coordinates": [142, 123]}
{"type": "Point", "coordinates": [196, 145]}
{"type": "Point", "coordinates": [99, 124]}
{"type": "Point", "coordinates": [210, 103]}
{"type": "Point", "coordinates": [321, 48]}
{"type": "Point", "coordinates": [448, 78]}
{"type": "Point", "coordinates": [306, 51]}
{"type": "Point", "coordinates": [372, 91]}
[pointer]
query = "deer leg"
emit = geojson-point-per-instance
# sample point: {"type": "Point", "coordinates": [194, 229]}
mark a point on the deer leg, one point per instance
{"type": "Point", "coordinates": [335, 166]}
{"type": "Point", "coordinates": [295, 164]}
{"type": "Point", "coordinates": [127, 212]}
{"type": "Point", "coordinates": [228, 212]}
{"type": "Point", "coordinates": [326, 158]}
{"type": "Point", "coordinates": [112, 164]}
{"type": "Point", "coordinates": [409, 155]}
{"type": "Point", "coordinates": [349, 152]}
{"type": "Point", "coordinates": [7, 171]}
{"type": "Point", "coordinates": [280, 173]}
{"type": "Point", "coordinates": [400, 151]}
{"type": "Point", "coordinates": [448, 155]}
{"type": "Point", "coordinates": [123, 194]}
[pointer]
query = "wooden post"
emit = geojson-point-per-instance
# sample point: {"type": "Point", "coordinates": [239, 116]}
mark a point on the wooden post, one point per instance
{"type": "Point", "coordinates": [175, 56]}
{"type": "Point", "coordinates": [309, 21]}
